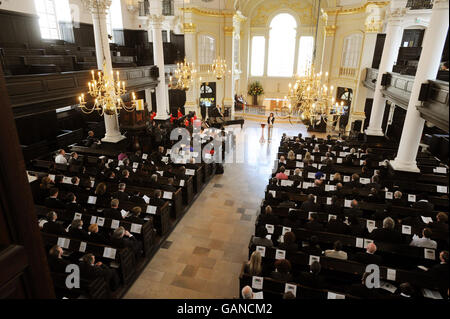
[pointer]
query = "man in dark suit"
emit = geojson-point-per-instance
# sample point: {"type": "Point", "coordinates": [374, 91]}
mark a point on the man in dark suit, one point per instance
{"type": "Point", "coordinates": [123, 238]}
{"type": "Point", "coordinates": [76, 230]}
{"type": "Point", "coordinates": [337, 225]}
{"type": "Point", "coordinates": [113, 212]}
{"type": "Point", "coordinates": [361, 289]}
{"type": "Point", "coordinates": [55, 260]}
{"type": "Point", "coordinates": [318, 189]}
{"type": "Point", "coordinates": [368, 257]}
{"type": "Point", "coordinates": [423, 204]}
{"type": "Point", "coordinates": [282, 271]}
{"type": "Point", "coordinates": [313, 223]}
{"type": "Point", "coordinates": [90, 269]}
{"type": "Point", "coordinates": [354, 209]}
{"type": "Point", "coordinates": [313, 278]}
{"type": "Point", "coordinates": [169, 187]}
{"type": "Point", "coordinates": [268, 217]}
{"type": "Point", "coordinates": [387, 233]}
{"type": "Point", "coordinates": [137, 199]}
{"type": "Point", "coordinates": [309, 205]}
{"type": "Point", "coordinates": [121, 195]}
{"type": "Point", "coordinates": [157, 200]}
{"type": "Point", "coordinates": [72, 204]}
{"type": "Point", "coordinates": [51, 226]}
{"type": "Point", "coordinates": [53, 201]}
{"type": "Point", "coordinates": [439, 272]}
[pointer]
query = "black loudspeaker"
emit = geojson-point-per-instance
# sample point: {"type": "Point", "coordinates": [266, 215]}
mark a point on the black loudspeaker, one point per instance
{"type": "Point", "coordinates": [154, 72]}
{"type": "Point", "coordinates": [423, 94]}
{"type": "Point", "coordinates": [385, 79]}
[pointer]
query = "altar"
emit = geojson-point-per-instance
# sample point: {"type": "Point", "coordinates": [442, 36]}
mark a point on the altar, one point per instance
{"type": "Point", "coordinates": [271, 104]}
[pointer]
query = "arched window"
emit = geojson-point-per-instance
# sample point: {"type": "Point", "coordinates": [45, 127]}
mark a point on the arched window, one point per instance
{"type": "Point", "coordinates": [351, 50]}
{"type": "Point", "coordinates": [305, 54]}
{"type": "Point", "coordinates": [114, 21]}
{"type": "Point", "coordinates": [52, 16]}
{"type": "Point", "coordinates": [258, 47]}
{"type": "Point", "coordinates": [282, 45]}
{"type": "Point", "coordinates": [206, 49]}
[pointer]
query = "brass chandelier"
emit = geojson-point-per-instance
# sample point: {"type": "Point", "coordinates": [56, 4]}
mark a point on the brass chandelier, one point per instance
{"type": "Point", "coordinates": [311, 97]}
{"type": "Point", "coordinates": [219, 65]}
{"type": "Point", "coordinates": [185, 72]}
{"type": "Point", "coordinates": [107, 94]}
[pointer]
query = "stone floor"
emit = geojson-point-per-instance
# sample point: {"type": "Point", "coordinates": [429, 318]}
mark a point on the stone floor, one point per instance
{"type": "Point", "coordinates": [203, 256]}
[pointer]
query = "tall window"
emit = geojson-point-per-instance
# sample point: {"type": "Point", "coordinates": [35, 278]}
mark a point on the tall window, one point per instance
{"type": "Point", "coordinates": [258, 47]}
{"type": "Point", "coordinates": [282, 45]}
{"type": "Point", "coordinates": [351, 50]}
{"type": "Point", "coordinates": [48, 23]}
{"type": "Point", "coordinates": [305, 54]}
{"type": "Point", "coordinates": [114, 20]}
{"type": "Point", "coordinates": [167, 8]}
{"type": "Point", "coordinates": [206, 49]}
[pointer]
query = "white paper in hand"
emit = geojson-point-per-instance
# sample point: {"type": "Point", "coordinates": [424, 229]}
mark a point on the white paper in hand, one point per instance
{"type": "Point", "coordinates": [136, 228]}
{"type": "Point", "coordinates": [286, 230]}
{"type": "Point", "coordinates": [124, 213]}
{"type": "Point", "coordinates": [167, 195]}
{"type": "Point", "coordinates": [146, 198]}
{"type": "Point", "coordinates": [333, 295]}
{"type": "Point", "coordinates": [257, 282]}
{"type": "Point", "coordinates": [151, 209]}
{"type": "Point", "coordinates": [429, 254]}
{"type": "Point", "coordinates": [367, 242]}
{"type": "Point", "coordinates": [181, 182]}
{"type": "Point", "coordinates": [292, 288]}
{"type": "Point", "coordinates": [339, 160]}
{"type": "Point", "coordinates": [359, 242]}
{"type": "Point", "coordinates": [406, 229]}
{"type": "Point", "coordinates": [299, 164]}
{"type": "Point", "coordinates": [299, 156]}
{"type": "Point", "coordinates": [261, 250]}
{"type": "Point", "coordinates": [144, 156]}
{"type": "Point", "coordinates": [82, 248]}
{"type": "Point", "coordinates": [391, 274]}
{"type": "Point", "coordinates": [280, 254]}
{"type": "Point", "coordinates": [258, 295]}
{"type": "Point", "coordinates": [313, 258]}
{"type": "Point", "coordinates": [190, 172]}
{"type": "Point", "coordinates": [77, 216]}
{"type": "Point", "coordinates": [426, 220]}
{"type": "Point", "coordinates": [274, 193]}
{"type": "Point", "coordinates": [115, 224]}
{"type": "Point", "coordinates": [109, 253]}
{"type": "Point", "coordinates": [441, 189]}
{"type": "Point", "coordinates": [100, 221]}
{"type": "Point", "coordinates": [63, 242]}
{"type": "Point", "coordinates": [346, 178]}
{"type": "Point", "coordinates": [411, 198]}
{"type": "Point", "coordinates": [347, 203]}
{"type": "Point", "coordinates": [270, 228]}
{"type": "Point", "coordinates": [92, 200]}
{"type": "Point", "coordinates": [388, 195]}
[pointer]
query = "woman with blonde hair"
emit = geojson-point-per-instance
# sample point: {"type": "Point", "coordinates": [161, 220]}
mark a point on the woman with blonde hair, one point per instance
{"type": "Point", "coordinates": [337, 178]}
{"type": "Point", "coordinates": [307, 157]}
{"type": "Point", "coordinates": [253, 266]}
{"type": "Point", "coordinates": [291, 155]}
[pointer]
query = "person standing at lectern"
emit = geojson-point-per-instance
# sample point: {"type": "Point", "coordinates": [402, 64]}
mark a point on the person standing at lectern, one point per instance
{"type": "Point", "coordinates": [270, 121]}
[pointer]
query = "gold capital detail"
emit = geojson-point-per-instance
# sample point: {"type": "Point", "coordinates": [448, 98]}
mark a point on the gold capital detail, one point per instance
{"type": "Point", "coordinates": [330, 30]}
{"type": "Point", "coordinates": [228, 31]}
{"type": "Point", "coordinates": [190, 27]}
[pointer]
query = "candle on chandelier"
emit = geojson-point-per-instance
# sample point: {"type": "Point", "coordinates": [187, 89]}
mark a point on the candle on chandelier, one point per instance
{"type": "Point", "coordinates": [92, 72]}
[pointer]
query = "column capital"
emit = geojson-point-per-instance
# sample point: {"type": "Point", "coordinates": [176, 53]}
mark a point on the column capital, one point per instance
{"type": "Point", "coordinates": [395, 16]}
{"type": "Point", "coordinates": [189, 28]}
{"type": "Point", "coordinates": [374, 26]}
{"type": "Point", "coordinates": [330, 30]}
{"type": "Point", "coordinates": [97, 6]}
{"type": "Point", "coordinates": [440, 4]}
{"type": "Point", "coordinates": [155, 21]}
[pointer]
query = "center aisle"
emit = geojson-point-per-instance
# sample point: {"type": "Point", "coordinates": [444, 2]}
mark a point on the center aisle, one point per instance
{"type": "Point", "coordinates": [203, 256]}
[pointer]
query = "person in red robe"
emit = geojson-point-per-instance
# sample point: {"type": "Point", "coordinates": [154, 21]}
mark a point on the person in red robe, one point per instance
{"type": "Point", "coordinates": [152, 116]}
{"type": "Point", "coordinates": [179, 114]}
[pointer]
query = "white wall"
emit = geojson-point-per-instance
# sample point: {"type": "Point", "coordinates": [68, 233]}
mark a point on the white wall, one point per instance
{"type": "Point", "coordinates": [25, 6]}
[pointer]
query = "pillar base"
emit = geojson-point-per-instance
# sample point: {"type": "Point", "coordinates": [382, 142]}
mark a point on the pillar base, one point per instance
{"type": "Point", "coordinates": [410, 167]}
{"type": "Point", "coordinates": [162, 117]}
{"type": "Point", "coordinates": [113, 139]}
{"type": "Point", "coordinates": [374, 132]}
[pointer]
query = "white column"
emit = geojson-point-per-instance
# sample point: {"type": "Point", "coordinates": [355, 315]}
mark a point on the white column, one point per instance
{"type": "Point", "coordinates": [228, 82]}
{"type": "Point", "coordinates": [190, 48]}
{"type": "Point", "coordinates": [98, 10]}
{"type": "Point", "coordinates": [148, 99]}
{"type": "Point", "coordinates": [394, 34]}
{"type": "Point", "coordinates": [162, 95]}
{"type": "Point", "coordinates": [432, 47]}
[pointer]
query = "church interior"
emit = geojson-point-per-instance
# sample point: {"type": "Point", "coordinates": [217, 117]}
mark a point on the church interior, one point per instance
{"type": "Point", "coordinates": [224, 149]}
